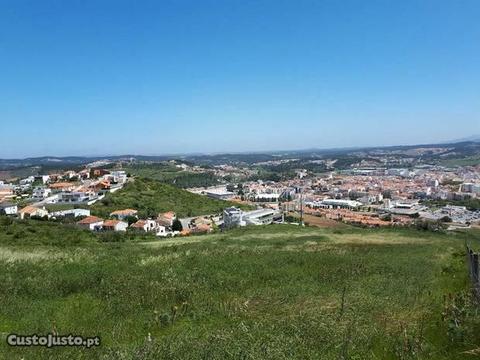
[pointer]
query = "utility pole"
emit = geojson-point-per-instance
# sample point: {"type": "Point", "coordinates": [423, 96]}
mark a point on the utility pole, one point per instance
{"type": "Point", "coordinates": [301, 206]}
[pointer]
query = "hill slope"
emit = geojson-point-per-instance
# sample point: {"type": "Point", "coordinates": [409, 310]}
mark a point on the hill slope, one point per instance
{"type": "Point", "coordinates": [169, 174]}
{"type": "Point", "coordinates": [151, 197]}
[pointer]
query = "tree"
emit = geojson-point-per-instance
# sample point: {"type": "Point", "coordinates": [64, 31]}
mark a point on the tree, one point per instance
{"type": "Point", "coordinates": [429, 225]}
{"type": "Point", "coordinates": [386, 217]}
{"type": "Point", "coordinates": [131, 219]}
{"type": "Point", "coordinates": [177, 225]}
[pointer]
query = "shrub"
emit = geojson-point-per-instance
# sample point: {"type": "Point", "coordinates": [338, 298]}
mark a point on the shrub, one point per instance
{"type": "Point", "coordinates": [177, 225]}
{"type": "Point", "coordinates": [111, 236]}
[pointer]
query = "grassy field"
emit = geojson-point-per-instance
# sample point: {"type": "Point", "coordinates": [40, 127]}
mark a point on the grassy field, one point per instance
{"type": "Point", "coordinates": [275, 292]}
{"type": "Point", "coordinates": [151, 197]}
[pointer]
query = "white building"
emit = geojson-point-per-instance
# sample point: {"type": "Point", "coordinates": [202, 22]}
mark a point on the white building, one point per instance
{"type": "Point", "coordinates": [235, 217]}
{"type": "Point", "coordinates": [404, 207]}
{"type": "Point", "coordinates": [76, 197]}
{"type": "Point", "coordinates": [70, 212]}
{"type": "Point", "coordinates": [261, 216]}
{"type": "Point", "coordinates": [115, 225]}
{"type": "Point", "coordinates": [265, 197]}
{"type": "Point", "coordinates": [162, 231]}
{"type": "Point", "coordinates": [8, 209]}
{"type": "Point", "coordinates": [219, 192]}
{"type": "Point", "coordinates": [41, 192]}
{"type": "Point", "coordinates": [118, 176]}
{"type": "Point", "coordinates": [30, 211]}
{"type": "Point", "coordinates": [146, 225]}
{"type": "Point", "coordinates": [334, 204]}
{"type": "Point", "coordinates": [91, 223]}
{"type": "Point", "coordinates": [232, 217]}
{"type": "Point", "coordinates": [27, 181]}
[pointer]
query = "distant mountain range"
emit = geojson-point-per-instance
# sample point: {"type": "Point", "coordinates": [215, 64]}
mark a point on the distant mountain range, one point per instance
{"type": "Point", "coordinates": [466, 147]}
{"type": "Point", "coordinates": [473, 138]}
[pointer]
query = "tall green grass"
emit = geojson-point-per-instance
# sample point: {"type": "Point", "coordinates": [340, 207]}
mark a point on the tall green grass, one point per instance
{"type": "Point", "coordinates": [274, 292]}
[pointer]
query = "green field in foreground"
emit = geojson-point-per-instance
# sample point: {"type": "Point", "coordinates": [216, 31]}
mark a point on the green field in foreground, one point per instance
{"type": "Point", "coordinates": [275, 292]}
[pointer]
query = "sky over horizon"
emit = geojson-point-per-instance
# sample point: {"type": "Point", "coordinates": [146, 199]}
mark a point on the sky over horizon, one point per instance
{"type": "Point", "coordinates": [97, 77]}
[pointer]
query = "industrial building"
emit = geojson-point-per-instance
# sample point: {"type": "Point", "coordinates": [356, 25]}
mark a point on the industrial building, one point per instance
{"type": "Point", "coordinates": [236, 217]}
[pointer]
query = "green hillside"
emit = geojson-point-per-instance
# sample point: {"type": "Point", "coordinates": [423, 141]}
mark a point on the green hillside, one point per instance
{"type": "Point", "coordinates": [275, 292]}
{"type": "Point", "coordinates": [170, 174]}
{"type": "Point", "coordinates": [151, 197]}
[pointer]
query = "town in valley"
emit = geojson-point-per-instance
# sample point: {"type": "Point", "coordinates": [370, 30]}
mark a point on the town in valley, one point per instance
{"type": "Point", "coordinates": [435, 186]}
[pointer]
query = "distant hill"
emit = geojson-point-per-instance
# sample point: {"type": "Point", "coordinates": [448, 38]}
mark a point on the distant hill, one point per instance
{"type": "Point", "coordinates": [459, 149]}
{"type": "Point", "coordinates": [473, 138]}
{"type": "Point", "coordinates": [151, 197]}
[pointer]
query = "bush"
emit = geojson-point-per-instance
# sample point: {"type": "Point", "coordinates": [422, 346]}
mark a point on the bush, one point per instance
{"type": "Point", "coordinates": [428, 225]}
{"type": "Point", "coordinates": [111, 236]}
{"type": "Point", "coordinates": [177, 225]}
{"type": "Point", "coordinates": [6, 221]}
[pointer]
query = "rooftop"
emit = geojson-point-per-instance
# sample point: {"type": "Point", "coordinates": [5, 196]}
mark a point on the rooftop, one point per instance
{"type": "Point", "coordinates": [90, 220]}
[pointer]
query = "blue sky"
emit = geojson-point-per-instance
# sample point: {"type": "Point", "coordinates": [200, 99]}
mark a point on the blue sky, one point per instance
{"type": "Point", "coordinates": [95, 77]}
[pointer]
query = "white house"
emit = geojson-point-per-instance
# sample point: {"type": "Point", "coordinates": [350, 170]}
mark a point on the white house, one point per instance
{"type": "Point", "coordinates": [30, 211]}
{"type": "Point", "coordinates": [41, 192]}
{"type": "Point", "coordinates": [27, 181]}
{"type": "Point", "coordinates": [166, 219]}
{"type": "Point", "coordinates": [76, 196]}
{"type": "Point", "coordinates": [9, 209]}
{"type": "Point", "coordinates": [145, 225]}
{"type": "Point", "coordinates": [70, 212]}
{"type": "Point", "coordinates": [91, 223]}
{"type": "Point", "coordinates": [115, 225]}
{"type": "Point", "coordinates": [118, 176]}
{"type": "Point", "coordinates": [162, 231]}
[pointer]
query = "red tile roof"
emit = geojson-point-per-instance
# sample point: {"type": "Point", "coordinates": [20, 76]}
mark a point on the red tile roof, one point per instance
{"type": "Point", "coordinates": [125, 212]}
{"type": "Point", "coordinates": [90, 220]}
{"type": "Point", "coordinates": [111, 223]}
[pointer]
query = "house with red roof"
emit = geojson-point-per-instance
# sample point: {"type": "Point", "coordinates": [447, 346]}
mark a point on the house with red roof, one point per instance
{"type": "Point", "coordinates": [91, 223]}
{"type": "Point", "coordinates": [115, 225]}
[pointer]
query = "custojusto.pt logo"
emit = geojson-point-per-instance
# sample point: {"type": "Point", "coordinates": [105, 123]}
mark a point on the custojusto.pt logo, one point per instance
{"type": "Point", "coordinates": [52, 340]}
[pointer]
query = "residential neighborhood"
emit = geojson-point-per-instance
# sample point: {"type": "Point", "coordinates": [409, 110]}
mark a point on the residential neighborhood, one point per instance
{"type": "Point", "coordinates": [362, 195]}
